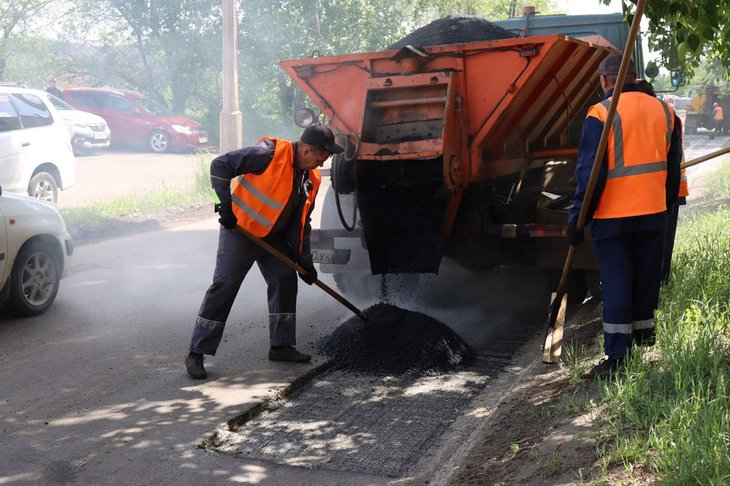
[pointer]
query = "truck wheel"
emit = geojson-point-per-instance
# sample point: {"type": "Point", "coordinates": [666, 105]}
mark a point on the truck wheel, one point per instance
{"type": "Point", "coordinates": [44, 187]}
{"type": "Point", "coordinates": [34, 280]}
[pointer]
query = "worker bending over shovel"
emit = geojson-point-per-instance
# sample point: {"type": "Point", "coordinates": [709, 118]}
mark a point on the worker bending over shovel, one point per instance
{"type": "Point", "coordinates": [267, 189]}
{"type": "Point", "coordinates": [637, 182]}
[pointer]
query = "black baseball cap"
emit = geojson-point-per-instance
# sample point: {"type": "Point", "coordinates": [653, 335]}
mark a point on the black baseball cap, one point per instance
{"type": "Point", "coordinates": [611, 65]}
{"type": "Point", "coordinates": [321, 136]}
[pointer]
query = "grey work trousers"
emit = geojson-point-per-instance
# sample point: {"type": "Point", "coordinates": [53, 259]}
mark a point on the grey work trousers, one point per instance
{"type": "Point", "coordinates": [236, 256]}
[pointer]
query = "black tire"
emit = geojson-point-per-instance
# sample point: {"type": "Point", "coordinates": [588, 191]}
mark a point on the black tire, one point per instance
{"type": "Point", "coordinates": [34, 280]}
{"type": "Point", "coordinates": [43, 186]}
{"type": "Point", "coordinates": [159, 142]}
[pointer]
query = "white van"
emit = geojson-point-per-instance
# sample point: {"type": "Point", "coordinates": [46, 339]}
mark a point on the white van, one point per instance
{"type": "Point", "coordinates": [35, 151]}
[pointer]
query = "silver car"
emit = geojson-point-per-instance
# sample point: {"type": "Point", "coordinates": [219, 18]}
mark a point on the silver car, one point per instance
{"type": "Point", "coordinates": [34, 245]}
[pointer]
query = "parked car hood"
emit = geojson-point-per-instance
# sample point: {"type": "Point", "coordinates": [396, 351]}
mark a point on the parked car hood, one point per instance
{"type": "Point", "coordinates": [81, 117]}
{"type": "Point", "coordinates": [29, 211]}
{"type": "Point", "coordinates": [180, 120]}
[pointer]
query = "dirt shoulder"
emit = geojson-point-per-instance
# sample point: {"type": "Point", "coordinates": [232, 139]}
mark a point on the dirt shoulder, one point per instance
{"type": "Point", "coordinates": [547, 430]}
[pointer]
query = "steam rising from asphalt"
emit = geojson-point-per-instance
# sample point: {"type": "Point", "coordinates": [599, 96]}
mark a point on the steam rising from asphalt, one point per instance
{"type": "Point", "coordinates": [476, 305]}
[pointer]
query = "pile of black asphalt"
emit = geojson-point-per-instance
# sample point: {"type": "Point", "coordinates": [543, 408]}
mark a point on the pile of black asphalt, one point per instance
{"type": "Point", "coordinates": [453, 30]}
{"type": "Point", "coordinates": [395, 341]}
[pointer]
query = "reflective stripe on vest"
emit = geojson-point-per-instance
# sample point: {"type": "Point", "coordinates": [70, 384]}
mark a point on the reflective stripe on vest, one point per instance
{"type": "Point", "coordinates": [637, 158]}
{"type": "Point", "coordinates": [620, 169]}
{"type": "Point", "coordinates": [259, 199]}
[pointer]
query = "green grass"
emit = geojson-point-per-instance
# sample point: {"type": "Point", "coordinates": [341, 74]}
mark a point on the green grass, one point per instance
{"type": "Point", "coordinates": [719, 183]}
{"type": "Point", "coordinates": [144, 204]}
{"type": "Point", "coordinates": [670, 411]}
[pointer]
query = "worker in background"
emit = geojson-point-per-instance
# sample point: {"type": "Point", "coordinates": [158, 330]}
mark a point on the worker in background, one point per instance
{"type": "Point", "coordinates": [268, 189]}
{"type": "Point", "coordinates": [638, 180]}
{"type": "Point", "coordinates": [53, 90]}
{"type": "Point", "coordinates": [673, 212]}
{"type": "Point", "coordinates": [672, 218]}
{"type": "Point", "coordinates": [718, 116]}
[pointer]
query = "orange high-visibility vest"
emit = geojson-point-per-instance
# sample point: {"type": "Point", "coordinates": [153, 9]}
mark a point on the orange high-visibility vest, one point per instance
{"type": "Point", "coordinates": [259, 199]}
{"type": "Point", "coordinates": [718, 114]}
{"type": "Point", "coordinates": [637, 149]}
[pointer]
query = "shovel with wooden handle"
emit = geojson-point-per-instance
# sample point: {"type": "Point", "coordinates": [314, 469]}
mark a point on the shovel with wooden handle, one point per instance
{"type": "Point", "coordinates": [556, 320]}
{"type": "Point", "coordinates": [290, 263]}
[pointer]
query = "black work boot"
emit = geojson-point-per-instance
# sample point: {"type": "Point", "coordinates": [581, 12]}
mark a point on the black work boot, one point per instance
{"type": "Point", "coordinates": [194, 365]}
{"type": "Point", "coordinates": [606, 369]}
{"type": "Point", "coordinates": [287, 353]}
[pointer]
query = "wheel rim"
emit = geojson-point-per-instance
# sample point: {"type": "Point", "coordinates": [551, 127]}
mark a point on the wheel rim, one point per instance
{"type": "Point", "coordinates": [158, 141]}
{"type": "Point", "coordinates": [43, 191]}
{"type": "Point", "coordinates": [38, 280]}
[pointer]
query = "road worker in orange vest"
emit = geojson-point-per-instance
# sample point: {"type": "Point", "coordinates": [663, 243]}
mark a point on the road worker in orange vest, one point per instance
{"type": "Point", "coordinates": [268, 189]}
{"type": "Point", "coordinates": [638, 180]}
{"type": "Point", "coordinates": [718, 116]}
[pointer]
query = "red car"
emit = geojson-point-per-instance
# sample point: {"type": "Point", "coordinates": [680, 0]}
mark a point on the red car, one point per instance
{"type": "Point", "coordinates": [136, 120]}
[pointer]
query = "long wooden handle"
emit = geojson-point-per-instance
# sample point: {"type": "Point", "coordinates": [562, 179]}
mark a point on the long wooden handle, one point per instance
{"type": "Point", "coordinates": [706, 157]}
{"type": "Point", "coordinates": [291, 264]}
{"type": "Point", "coordinates": [621, 77]}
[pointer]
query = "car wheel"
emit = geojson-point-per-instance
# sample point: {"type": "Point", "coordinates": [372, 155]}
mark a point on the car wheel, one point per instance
{"type": "Point", "coordinates": [34, 280]}
{"type": "Point", "coordinates": [44, 187]}
{"type": "Point", "coordinates": [159, 141]}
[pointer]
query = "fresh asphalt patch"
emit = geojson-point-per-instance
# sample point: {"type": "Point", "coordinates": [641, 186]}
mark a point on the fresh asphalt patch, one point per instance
{"type": "Point", "coordinates": [371, 421]}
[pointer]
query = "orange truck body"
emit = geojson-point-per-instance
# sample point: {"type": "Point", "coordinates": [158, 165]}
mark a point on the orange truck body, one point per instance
{"type": "Point", "coordinates": [485, 114]}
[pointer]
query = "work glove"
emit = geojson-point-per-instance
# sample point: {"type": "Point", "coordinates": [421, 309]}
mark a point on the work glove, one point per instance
{"type": "Point", "coordinates": [227, 219]}
{"type": "Point", "coordinates": [307, 264]}
{"type": "Point", "coordinates": [575, 237]}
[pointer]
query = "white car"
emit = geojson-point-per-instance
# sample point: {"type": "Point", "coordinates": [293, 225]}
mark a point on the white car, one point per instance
{"type": "Point", "coordinates": [87, 131]}
{"type": "Point", "coordinates": [34, 245]}
{"type": "Point", "coordinates": [35, 151]}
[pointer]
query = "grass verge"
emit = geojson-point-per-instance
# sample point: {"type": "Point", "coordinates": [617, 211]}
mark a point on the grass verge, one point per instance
{"type": "Point", "coordinates": [97, 217]}
{"type": "Point", "coordinates": [670, 411]}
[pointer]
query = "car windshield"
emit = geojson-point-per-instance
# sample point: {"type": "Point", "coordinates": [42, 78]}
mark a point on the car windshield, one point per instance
{"type": "Point", "coordinates": [58, 103]}
{"type": "Point", "coordinates": [152, 106]}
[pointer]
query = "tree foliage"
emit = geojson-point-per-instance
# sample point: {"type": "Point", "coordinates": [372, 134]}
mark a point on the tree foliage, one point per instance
{"type": "Point", "coordinates": [489, 9]}
{"type": "Point", "coordinates": [171, 49]}
{"type": "Point", "coordinates": [687, 31]}
{"type": "Point", "coordinates": [15, 16]}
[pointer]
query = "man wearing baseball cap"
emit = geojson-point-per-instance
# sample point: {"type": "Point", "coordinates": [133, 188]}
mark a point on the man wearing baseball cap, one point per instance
{"type": "Point", "coordinates": [269, 190]}
{"type": "Point", "coordinates": [638, 180]}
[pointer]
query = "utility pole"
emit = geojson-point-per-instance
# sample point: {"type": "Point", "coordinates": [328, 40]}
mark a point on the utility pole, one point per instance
{"type": "Point", "coordinates": [231, 119]}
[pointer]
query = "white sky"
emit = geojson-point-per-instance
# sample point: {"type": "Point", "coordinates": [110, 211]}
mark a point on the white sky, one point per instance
{"type": "Point", "coordinates": [582, 7]}
{"type": "Point", "coordinates": [585, 7]}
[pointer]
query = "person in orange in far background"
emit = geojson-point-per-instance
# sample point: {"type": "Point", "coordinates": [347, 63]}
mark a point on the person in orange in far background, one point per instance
{"type": "Point", "coordinates": [718, 116]}
{"type": "Point", "coordinates": [638, 180]}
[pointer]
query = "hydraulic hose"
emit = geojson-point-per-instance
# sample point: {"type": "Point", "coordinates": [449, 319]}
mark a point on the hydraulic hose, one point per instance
{"type": "Point", "coordinates": [350, 227]}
